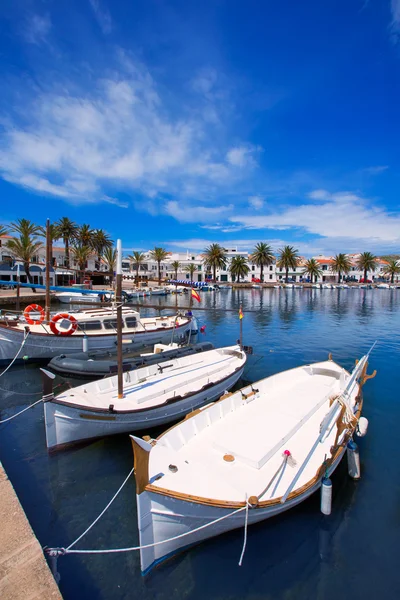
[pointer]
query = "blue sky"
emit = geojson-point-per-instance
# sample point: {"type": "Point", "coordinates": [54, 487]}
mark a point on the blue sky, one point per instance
{"type": "Point", "coordinates": [181, 123]}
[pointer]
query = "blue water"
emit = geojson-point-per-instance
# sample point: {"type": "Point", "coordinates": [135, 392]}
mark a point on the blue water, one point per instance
{"type": "Point", "coordinates": [298, 555]}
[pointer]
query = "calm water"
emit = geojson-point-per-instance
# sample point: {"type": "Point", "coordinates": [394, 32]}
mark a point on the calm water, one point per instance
{"type": "Point", "coordinates": [299, 555]}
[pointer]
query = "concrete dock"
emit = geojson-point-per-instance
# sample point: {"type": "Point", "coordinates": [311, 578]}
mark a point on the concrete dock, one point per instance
{"type": "Point", "coordinates": [24, 573]}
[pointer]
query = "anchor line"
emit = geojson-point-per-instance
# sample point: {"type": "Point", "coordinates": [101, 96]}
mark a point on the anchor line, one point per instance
{"type": "Point", "coordinates": [26, 334]}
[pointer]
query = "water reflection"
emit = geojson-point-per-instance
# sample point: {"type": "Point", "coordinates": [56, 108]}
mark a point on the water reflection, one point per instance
{"type": "Point", "coordinates": [297, 555]}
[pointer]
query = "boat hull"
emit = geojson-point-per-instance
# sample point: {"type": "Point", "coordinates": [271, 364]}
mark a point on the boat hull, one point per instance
{"type": "Point", "coordinates": [66, 425]}
{"type": "Point", "coordinates": [163, 517]}
{"type": "Point", "coordinates": [40, 347]}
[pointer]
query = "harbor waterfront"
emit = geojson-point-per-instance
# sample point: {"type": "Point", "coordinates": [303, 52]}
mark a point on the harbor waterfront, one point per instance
{"type": "Point", "coordinates": [300, 554]}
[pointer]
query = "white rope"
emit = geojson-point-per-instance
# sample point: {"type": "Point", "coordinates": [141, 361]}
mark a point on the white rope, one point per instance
{"type": "Point", "coordinates": [101, 514]}
{"type": "Point", "coordinates": [246, 520]}
{"type": "Point", "coordinates": [16, 356]}
{"type": "Point", "coordinates": [20, 412]}
{"type": "Point", "coordinates": [61, 551]}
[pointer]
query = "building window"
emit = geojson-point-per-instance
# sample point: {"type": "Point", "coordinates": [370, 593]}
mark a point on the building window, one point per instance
{"type": "Point", "coordinates": [270, 268]}
{"type": "Point", "coordinates": [270, 276]}
{"type": "Point", "coordinates": [324, 267]}
{"type": "Point", "coordinates": [253, 268]}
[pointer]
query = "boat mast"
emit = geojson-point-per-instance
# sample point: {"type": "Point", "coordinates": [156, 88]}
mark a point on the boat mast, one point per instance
{"type": "Point", "coordinates": [118, 298]}
{"type": "Point", "coordinates": [47, 278]}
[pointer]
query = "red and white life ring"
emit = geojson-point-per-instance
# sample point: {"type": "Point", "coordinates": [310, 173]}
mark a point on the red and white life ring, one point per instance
{"type": "Point", "coordinates": [58, 317]}
{"type": "Point", "coordinates": [37, 309]}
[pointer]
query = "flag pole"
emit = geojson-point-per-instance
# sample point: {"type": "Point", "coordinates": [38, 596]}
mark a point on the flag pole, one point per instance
{"type": "Point", "coordinates": [241, 327]}
{"type": "Point", "coordinates": [118, 299]}
{"type": "Point", "coordinates": [47, 275]}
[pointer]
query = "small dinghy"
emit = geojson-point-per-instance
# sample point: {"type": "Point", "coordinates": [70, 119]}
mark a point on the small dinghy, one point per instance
{"type": "Point", "coordinates": [152, 396]}
{"type": "Point", "coordinates": [245, 458]}
{"type": "Point", "coordinates": [92, 365]}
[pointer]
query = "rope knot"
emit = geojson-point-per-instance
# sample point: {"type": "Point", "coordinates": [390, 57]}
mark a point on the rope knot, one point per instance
{"type": "Point", "coordinates": [55, 552]}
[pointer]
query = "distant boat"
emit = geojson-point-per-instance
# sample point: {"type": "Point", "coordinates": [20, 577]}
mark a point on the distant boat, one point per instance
{"type": "Point", "coordinates": [94, 329]}
{"type": "Point", "coordinates": [256, 286]}
{"type": "Point", "coordinates": [268, 445]}
{"type": "Point", "coordinates": [153, 395]}
{"type": "Point", "coordinates": [383, 286]}
{"type": "Point", "coordinates": [77, 297]}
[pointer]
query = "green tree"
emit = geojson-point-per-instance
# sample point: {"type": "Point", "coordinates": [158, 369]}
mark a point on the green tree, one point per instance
{"type": "Point", "coordinates": [25, 245]}
{"type": "Point", "coordinates": [367, 262]}
{"type": "Point", "coordinates": [288, 259]}
{"type": "Point", "coordinates": [176, 265]}
{"type": "Point", "coordinates": [191, 268]}
{"type": "Point", "coordinates": [81, 254]}
{"type": "Point", "coordinates": [238, 267]}
{"type": "Point", "coordinates": [110, 258]}
{"type": "Point", "coordinates": [159, 254]}
{"type": "Point", "coordinates": [392, 269]}
{"type": "Point", "coordinates": [341, 264]}
{"type": "Point", "coordinates": [3, 230]}
{"type": "Point", "coordinates": [84, 236]}
{"type": "Point", "coordinates": [214, 258]}
{"type": "Point", "coordinates": [68, 232]}
{"type": "Point", "coordinates": [312, 269]}
{"type": "Point", "coordinates": [100, 241]}
{"type": "Point", "coordinates": [137, 258]}
{"type": "Point", "coordinates": [262, 256]}
{"type": "Point", "coordinates": [54, 234]}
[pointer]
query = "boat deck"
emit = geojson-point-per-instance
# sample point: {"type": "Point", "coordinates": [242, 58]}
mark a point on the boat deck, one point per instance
{"type": "Point", "coordinates": [255, 432]}
{"type": "Point", "coordinates": [152, 386]}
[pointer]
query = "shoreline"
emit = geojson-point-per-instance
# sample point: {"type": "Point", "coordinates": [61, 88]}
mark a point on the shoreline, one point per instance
{"type": "Point", "coordinates": [24, 572]}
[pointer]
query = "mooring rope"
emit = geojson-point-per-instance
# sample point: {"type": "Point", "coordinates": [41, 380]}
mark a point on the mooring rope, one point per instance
{"type": "Point", "coordinates": [55, 552]}
{"type": "Point", "coordinates": [16, 356]}
{"type": "Point", "coordinates": [20, 412]}
{"type": "Point", "coordinates": [246, 521]}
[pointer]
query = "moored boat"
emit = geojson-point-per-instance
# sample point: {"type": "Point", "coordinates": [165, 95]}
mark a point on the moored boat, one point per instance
{"type": "Point", "coordinates": [94, 329]}
{"type": "Point", "coordinates": [152, 395]}
{"type": "Point", "coordinates": [261, 450]}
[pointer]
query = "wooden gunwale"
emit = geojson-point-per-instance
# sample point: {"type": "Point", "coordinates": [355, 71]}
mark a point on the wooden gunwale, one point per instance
{"type": "Point", "coordinates": [169, 401]}
{"type": "Point", "coordinates": [338, 451]}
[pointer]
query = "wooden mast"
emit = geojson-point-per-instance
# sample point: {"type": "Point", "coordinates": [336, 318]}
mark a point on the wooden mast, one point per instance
{"type": "Point", "coordinates": [118, 299]}
{"type": "Point", "coordinates": [47, 278]}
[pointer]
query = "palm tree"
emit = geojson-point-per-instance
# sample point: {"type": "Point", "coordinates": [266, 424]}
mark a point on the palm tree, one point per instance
{"type": "Point", "coordinates": [3, 230]}
{"type": "Point", "coordinates": [26, 245]}
{"type": "Point", "coordinates": [341, 264]}
{"type": "Point", "coordinates": [137, 258]}
{"type": "Point", "coordinates": [159, 254]}
{"type": "Point", "coordinates": [288, 259]}
{"type": "Point", "coordinates": [367, 262]}
{"type": "Point", "coordinates": [312, 268]}
{"type": "Point", "coordinates": [68, 231]}
{"type": "Point", "coordinates": [239, 267]}
{"type": "Point", "coordinates": [84, 236]}
{"type": "Point", "coordinates": [262, 256]}
{"type": "Point", "coordinates": [214, 258]}
{"type": "Point", "coordinates": [54, 234]}
{"type": "Point", "coordinates": [392, 269]}
{"type": "Point", "coordinates": [190, 268]}
{"type": "Point", "coordinates": [81, 254]}
{"type": "Point", "coordinates": [24, 248]}
{"type": "Point", "coordinates": [100, 241]}
{"type": "Point", "coordinates": [176, 265]}
{"type": "Point", "coordinates": [110, 258]}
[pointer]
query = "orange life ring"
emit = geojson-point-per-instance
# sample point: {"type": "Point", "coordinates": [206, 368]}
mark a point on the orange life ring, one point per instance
{"type": "Point", "coordinates": [35, 308]}
{"type": "Point", "coordinates": [70, 318]}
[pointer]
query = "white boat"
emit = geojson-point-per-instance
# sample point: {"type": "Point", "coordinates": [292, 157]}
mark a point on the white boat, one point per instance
{"type": "Point", "coordinates": [94, 329]}
{"type": "Point", "coordinates": [77, 297]}
{"type": "Point", "coordinates": [153, 395]}
{"type": "Point", "coordinates": [383, 286]}
{"type": "Point", "coordinates": [263, 449]}
{"type": "Point", "coordinates": [158, 292]}
{"type": "Point", "coordinates": [316, 286]}
{"type": "Point", "coordinates": [256, 286]}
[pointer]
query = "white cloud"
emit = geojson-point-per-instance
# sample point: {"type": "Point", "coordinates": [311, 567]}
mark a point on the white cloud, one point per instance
{"type": "Point", "coordinates": [256, 202]}
{"type": "Point", "coordinates": [339, 215]}
{"type": "Point", "coordinates": [102, 15]}
{"type": "Point", "coordinates": [37, 28]}
{"type": "Point", "coordinates": [204, 81]}
{"type": "Point", "coordinates": [241, 156]}
{"type": "Point", "coordinates": [117, 132]}
{"type": "Point", "coordinates": [195, 214]}
{"type": "Point", "coordinates": [115, 201]}
{"type": "Point", "coordinates": [376, 170]}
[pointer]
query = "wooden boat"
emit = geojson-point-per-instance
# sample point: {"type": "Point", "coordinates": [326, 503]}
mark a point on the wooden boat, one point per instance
{"type": "Point", "coordinates": [152, 395]}
{"type": "Point", "coordinates": [93, 329]}
{"type": "Point", "coordinates": [93, 365]}
{"type": "Point", "coordinates": [262, 449]}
